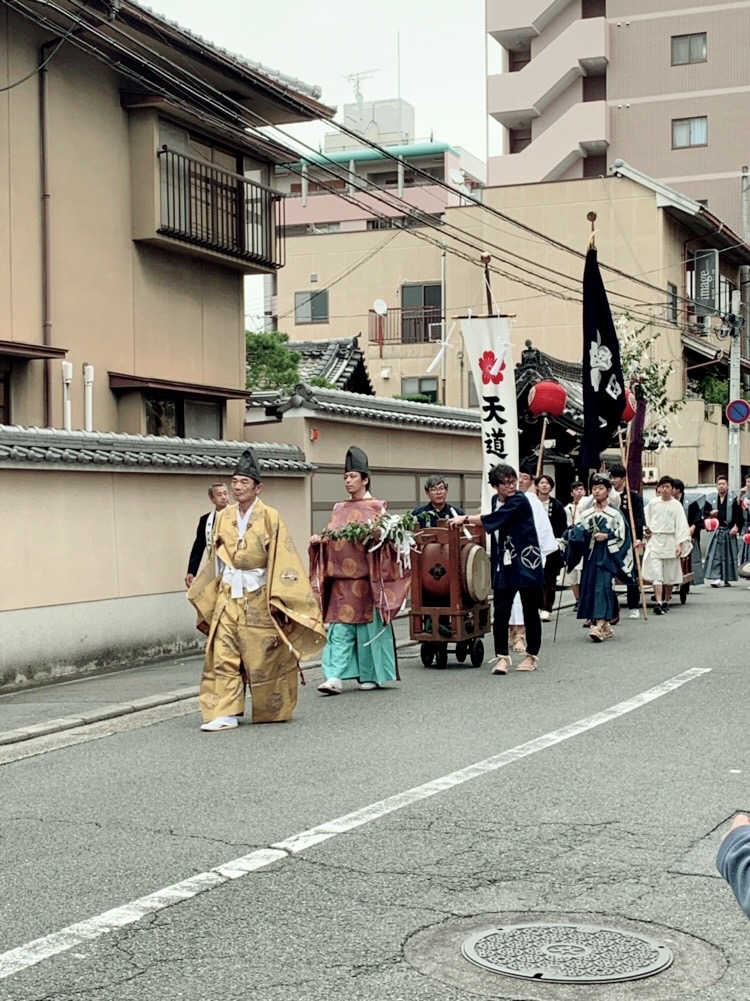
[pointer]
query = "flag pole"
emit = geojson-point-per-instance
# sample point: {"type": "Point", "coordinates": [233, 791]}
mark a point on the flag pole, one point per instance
{"type": "Point", "coordinates": [485, 259]}
{"type": "Point", "coordinates": [591, 216]}
{"type": "Point", "coordinates": [636, 550]}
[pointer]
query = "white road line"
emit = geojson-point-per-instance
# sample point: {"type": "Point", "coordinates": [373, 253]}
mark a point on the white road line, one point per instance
{"type": "Point", "coordinates": [37, 951]}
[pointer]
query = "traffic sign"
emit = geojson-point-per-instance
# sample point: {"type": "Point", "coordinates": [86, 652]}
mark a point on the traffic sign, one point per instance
{"type": "Point", "coordinates": [738, 412]}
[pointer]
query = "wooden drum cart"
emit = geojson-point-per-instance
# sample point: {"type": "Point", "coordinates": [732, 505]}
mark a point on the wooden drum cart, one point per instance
{"type": "Point", "coordinates": [450, 583]}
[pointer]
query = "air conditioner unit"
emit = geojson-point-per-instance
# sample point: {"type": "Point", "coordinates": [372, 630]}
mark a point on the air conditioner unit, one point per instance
{"type": "Point", "coordinates": [650, 474]}
{"type": "Point", "coordinates": [435, 332]}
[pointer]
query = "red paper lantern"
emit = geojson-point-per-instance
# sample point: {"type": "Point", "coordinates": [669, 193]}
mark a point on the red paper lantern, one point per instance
{"type": "Point", "coordinates": [547, 398]}
{"type": "Point", "coordinates": [711, 524]}
{"type": "Point", "coordinates": [629, 412]}
{"type": "Point", "coordinates": [746, 538]}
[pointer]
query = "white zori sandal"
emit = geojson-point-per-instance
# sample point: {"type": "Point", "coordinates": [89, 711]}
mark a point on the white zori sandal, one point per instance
{"type": "Point", "coordinates": [501, 664]}
{"type": "Point", "coordinates": [529, 663]}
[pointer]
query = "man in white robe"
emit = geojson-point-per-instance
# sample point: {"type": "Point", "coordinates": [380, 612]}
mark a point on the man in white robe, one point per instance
{"type": "Point", "coordinates": [668, 540]}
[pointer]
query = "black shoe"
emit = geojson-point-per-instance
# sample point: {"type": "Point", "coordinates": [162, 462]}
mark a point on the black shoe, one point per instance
{"type": "Point", "coordinates": [658, 610]}
{"type": "Point", "coordinates": [665, 607]}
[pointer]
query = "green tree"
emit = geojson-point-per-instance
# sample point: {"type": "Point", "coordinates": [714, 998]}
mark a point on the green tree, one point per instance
{"type": "Point", "coordinates": [270, 362]}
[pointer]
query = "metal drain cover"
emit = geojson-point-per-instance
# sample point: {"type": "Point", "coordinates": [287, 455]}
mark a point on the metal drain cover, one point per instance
{"type": "Point", "coordinates": [567, 953]}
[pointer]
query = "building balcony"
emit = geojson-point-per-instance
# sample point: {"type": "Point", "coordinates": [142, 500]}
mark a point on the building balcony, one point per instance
{"type": "Point", "coordinates": [191, 206]}
{"type": "Point", "coordinates": [218, 211]}
{"type": "Point", "coordinates": [413, 325]}
{"type": "Point", "coordinates": [581, 50]}
{"type": "Point", "coordinates": [510, 22]}
{"type": "Point", "coordinates": [582, 131]}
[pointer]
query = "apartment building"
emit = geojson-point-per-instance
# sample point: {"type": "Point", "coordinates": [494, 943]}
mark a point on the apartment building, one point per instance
{"type": "Point", "coordinates": [662, 84]}
{"type": "Point", "coordinates": [345, 190]}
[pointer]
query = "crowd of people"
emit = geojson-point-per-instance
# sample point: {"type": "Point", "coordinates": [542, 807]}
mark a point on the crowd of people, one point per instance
{"type": "Point", "coordinates": [263, 612]}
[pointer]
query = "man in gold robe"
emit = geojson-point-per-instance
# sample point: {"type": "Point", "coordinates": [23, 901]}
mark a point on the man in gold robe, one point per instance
{"type": "Point", "coordinates": [260, 613]}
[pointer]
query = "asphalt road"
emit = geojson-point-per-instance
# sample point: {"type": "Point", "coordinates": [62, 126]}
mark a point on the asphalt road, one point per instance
{"type": "Point", "coordinates": [615, 821]}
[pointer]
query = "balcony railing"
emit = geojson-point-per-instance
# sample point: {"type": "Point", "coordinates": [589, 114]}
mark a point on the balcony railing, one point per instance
{"type": "Point", "coordinates": [412, 325]}
{"type": "Point", "coordinates": [221, 211]}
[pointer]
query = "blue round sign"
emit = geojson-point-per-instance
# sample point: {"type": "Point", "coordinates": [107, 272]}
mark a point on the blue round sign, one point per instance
{"type": "Point", "coordinates": [738, 411]}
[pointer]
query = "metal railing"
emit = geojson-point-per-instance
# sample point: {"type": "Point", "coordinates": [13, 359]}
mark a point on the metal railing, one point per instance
{"type": "Point", "coordinates": [411, 325]}
{"type": "Point", "coordinates": [225, 212]}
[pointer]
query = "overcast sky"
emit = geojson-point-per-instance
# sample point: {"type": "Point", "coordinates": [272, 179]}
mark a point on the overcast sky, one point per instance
{"type": "Point", "coordinates": [324, 41]}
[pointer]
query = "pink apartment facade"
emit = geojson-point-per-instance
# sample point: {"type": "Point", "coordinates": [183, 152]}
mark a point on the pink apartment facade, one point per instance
{"type": "Point", "coordinates": [660, 83]}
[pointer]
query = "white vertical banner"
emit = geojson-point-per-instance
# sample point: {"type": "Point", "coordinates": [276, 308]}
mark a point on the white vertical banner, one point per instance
{"type": "Point", "coordinates": [490, 352]}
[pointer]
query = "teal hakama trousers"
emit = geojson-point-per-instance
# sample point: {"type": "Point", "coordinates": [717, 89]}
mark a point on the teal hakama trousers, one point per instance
{"type": "Point", "coordinates": [364, 652]}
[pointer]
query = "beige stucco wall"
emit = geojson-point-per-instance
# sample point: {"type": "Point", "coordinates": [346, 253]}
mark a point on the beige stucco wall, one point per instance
{"type": "Point", "coordinates": [103, 581]}
{"type": "Point", "coordinates": [400, 459]}
{"type": "Point", "coordinates": [116, 304]}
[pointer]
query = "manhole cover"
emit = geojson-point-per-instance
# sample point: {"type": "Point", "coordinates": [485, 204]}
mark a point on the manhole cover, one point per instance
{"type": "Point", "coordinates": [567, 954]}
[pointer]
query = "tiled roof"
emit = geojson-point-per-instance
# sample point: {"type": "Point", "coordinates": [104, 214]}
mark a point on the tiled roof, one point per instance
{"type": "Point", "coordinates": [341, 362]}
{"type": "Point", "coordinates": [97, 449]}
{"type": "Point", "coordinates": [535, 366]}
{"type": "Point", "coordinates": [377, 409]}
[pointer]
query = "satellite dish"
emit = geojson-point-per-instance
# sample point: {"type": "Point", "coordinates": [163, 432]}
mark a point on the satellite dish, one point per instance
{"type": "Point", "coordinates": [457, 176]}
{"type": "Point", "coordinates": [380, 307]}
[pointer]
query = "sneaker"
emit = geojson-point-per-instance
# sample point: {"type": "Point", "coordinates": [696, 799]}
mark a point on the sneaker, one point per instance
{"type": "Point", "coordinates": [545, 616]}
{"type": "Point", "coordinates": [658, 610]}
{"type": "Point", "coordinates": [222, 723]}
{"type": "Point", "coordinates": [331, 687]}
{"type": "Point", "coordinates": [366, 686]}
{"type": "Point", "coordinates": [635, 613]}
{"type": "Point", "coordinates": [716, 583]}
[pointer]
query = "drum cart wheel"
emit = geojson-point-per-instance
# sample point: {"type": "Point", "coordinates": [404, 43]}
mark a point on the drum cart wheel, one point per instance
{"type": "Point", "coordinates": [477, 653]}
{"type": "Point", "coordinates": [427, 653]}
{"type": "Point", "coordinates": [462, 651]}
{"type": "Point", "coordinates": [684, 592]}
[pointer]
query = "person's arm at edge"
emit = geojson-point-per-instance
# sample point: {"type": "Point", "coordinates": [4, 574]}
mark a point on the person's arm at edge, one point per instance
{"type": "Point", "coordinates": [733, 860]}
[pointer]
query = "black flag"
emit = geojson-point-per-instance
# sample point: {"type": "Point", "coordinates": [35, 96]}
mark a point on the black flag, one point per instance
{"type": "Point", "coordinates": [603, 384]}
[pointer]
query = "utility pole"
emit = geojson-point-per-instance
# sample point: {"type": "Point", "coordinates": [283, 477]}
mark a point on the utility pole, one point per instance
{"type": "Point", "coordinates": [741, 309]}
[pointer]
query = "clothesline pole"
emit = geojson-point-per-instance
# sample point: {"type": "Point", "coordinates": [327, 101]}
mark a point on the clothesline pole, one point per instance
{"type": "Point", "coordinates": [636, 551]}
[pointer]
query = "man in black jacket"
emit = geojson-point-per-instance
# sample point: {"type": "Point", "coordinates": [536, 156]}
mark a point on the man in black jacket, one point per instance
{"type": "Point", "coordinates": [630, 500]}
{"type": "Point", "coordinates": [219, 495]}
{"type": "Point", "coordinates": [438, 508]}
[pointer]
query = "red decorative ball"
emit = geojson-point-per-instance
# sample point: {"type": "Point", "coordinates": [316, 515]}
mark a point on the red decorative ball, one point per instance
{"type": "Point", "coordinates": [711, 524]}
{"type": "Point", "coordinates": [629, 412]}
{"type": "Point", "coordinates": [746, 538]}
{"type": "Point", "coordinates": [547, 398]}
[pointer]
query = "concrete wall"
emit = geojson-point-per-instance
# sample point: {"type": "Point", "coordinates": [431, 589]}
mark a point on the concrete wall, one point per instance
{"type": "Point", "coordinates": [99, 580]}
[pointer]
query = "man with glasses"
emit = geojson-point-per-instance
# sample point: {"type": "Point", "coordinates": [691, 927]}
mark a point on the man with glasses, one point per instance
{"type": "Point", "coordinates": [438, 508]}
{"type": "Point", "coordinates": [517, 566]}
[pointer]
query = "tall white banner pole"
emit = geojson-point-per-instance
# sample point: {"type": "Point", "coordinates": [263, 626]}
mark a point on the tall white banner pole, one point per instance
{"type": "Point", "coordinates": [490, 352]}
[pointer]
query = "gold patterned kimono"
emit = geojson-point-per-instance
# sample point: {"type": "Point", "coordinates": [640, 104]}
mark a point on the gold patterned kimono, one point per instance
{"type": "Point", "coordinates": [259, 637]}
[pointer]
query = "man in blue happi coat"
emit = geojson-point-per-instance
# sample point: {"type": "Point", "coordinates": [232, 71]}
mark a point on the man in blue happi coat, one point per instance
{"type": "Point", "coordinates": [517, 566]}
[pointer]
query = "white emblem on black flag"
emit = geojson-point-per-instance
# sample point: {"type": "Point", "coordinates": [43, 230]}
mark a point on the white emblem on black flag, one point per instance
{"type": "Point", "coordinates": [603, 383]}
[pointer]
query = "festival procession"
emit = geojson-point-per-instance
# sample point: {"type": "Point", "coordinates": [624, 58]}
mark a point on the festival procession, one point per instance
{"type": "Point", "coordinates": [498, 573]}
{"type": "Point", "coordinates": [374, 500]}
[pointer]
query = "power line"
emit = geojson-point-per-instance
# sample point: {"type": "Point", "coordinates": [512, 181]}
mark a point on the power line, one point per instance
{"type": "Point", "coordinates": [42, 64]}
